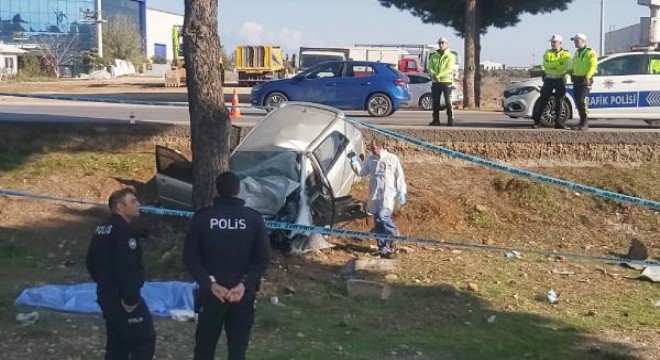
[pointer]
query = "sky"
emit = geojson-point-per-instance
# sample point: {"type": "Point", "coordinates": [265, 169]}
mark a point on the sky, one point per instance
{"type": "Point", "coordinates": [342, 23]}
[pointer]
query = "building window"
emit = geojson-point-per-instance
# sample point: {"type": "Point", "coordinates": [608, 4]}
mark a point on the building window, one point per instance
{"type": "Point", "coordinates": [9, 63]}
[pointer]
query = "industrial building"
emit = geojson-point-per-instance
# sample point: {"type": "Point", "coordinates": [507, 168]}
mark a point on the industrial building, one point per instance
{"type": "Point", "coordinates": [22, 22]}
{"type": "Point", "coordinates": [645, 35]}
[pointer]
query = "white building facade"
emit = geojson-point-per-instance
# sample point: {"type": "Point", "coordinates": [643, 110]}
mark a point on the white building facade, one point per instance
{"type": "Point", "coordinates": [9, 60]}
{"type": "Point", "coordinates": [159, 42]}
{"type": "Point", "coordinates": [490, 65]}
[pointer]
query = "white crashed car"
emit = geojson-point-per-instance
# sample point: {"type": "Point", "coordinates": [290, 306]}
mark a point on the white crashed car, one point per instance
{"type": "Point", "coordinates": [293, 166]}
{"type": "Point", "coordinates": [625, 87]}
{"type": "Point", "coordinates": [420, 89]}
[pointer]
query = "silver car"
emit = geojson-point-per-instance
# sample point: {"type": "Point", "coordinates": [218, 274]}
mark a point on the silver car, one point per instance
{"type": "Point", "coordinates": [420, 89]}
{"type": "Point", "coordinates": [293, 166]}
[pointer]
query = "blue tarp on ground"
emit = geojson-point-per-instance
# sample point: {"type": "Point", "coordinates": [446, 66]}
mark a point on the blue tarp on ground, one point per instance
{"type": "Point", "coordinates": [161, 297]}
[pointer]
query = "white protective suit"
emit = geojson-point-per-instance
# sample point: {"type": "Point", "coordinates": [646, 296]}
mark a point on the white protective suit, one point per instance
{"type": "Point", "coordinates": [386, 179]}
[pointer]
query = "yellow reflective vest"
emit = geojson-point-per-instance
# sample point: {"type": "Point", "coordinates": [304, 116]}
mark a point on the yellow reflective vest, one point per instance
{"type": "Point", "coordinates": [584, 62]}
{"type": "Point", "coordinates": [556, 63]}
{"type": "Point", "coordinates": [654, 66]}
{"type": "Point", "coordinates": [441, 66]}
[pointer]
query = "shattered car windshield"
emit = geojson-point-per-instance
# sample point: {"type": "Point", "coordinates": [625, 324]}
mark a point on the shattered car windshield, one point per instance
{"type": "Point", "coordinates": [267, 178]}
{"type": "Point", "coordinates": [265, 163]}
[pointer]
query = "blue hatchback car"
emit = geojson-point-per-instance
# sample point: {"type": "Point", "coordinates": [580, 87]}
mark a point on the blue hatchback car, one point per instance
{"type": "Point", "coordinates": [378, 88]}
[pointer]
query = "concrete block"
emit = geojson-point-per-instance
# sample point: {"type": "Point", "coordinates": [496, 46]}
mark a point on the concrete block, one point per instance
{"type": "Point", "coordinates": [368, 289]}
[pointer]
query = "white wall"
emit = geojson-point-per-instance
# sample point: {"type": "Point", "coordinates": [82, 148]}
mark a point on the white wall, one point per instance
{"type": "Point", "coordinates": [489, 65]}
{"type": "Point", "coordinates": [622, 39]}
{"type": "Point", "coordinates": [159, 30]}
{"type": "Point", "coordinates": [14, 69]}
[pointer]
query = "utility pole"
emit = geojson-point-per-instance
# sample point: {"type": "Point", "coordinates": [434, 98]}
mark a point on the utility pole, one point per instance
{"type": "Point", "coordinates": [99, 28]}
{"type": "Point", "coordinates": [602, 27]}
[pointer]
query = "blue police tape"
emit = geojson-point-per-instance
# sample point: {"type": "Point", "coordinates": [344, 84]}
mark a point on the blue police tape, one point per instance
{"type": "Point", "coordinates": [277, 225]}
{"type": "Point", "coordinates": [88, 99]}
{"type": "Point", "coordinates": [655, 205]}
{"type": "Point", "coordinates": [108, 101]}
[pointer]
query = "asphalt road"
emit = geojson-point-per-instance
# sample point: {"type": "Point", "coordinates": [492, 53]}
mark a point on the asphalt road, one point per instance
{"type": "Point", "coordinates": [33, 110]}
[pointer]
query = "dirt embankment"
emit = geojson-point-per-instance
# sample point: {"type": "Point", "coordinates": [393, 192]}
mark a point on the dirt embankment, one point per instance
{"type": "Point", "coordinates": [555, 146]}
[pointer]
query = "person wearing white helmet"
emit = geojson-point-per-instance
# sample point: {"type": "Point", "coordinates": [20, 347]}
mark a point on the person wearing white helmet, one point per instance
{"type": "Point", "coordinates": [556, 62]}
{"type": "Point", "coordinates": [583, 69]}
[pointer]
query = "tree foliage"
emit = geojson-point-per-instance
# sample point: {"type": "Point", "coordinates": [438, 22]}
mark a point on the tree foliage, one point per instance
{"type": "Point", "coordinates": [488, 13]}
{"type": "Point", "coordinates": [29, 65]}
{"type": "Point", "coordinates": [122, 40]}
{"type": "Point", "coordinates": [492, 13]}
{"type": "Point", "coordinates": [56, 50]}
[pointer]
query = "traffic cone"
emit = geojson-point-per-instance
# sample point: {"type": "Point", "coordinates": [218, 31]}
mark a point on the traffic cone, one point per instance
{"type": "Point", "coordinates": [235, 111]}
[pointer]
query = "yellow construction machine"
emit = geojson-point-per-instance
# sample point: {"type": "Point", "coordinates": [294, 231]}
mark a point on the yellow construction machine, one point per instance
{"type": "Point", "coordinates": [176, 75]}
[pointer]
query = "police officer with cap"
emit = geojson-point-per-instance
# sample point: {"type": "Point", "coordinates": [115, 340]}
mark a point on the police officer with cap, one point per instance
{"type": "Point", "coordinates": [226, 251]}
{"type": "Point", "coordinates": [556, 63]}
{"type": "Point", "coordinates": [114, 261]}
{"type": "Point", "coordinates": [583, 69]}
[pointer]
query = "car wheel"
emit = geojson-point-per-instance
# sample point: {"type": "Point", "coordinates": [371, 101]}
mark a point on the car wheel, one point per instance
{"type": "Point", "coordinates": [426, 102]}
{"type": "Point", "coordinates": [379, 105]}
{"type": "Point", "coordinates": [548, 113]}
{"type": "Point", "coordinates": [274, 100]}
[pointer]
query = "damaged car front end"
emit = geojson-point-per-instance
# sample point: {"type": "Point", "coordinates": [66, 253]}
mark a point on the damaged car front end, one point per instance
{"type": "Point", "coordinates": [293, 168]}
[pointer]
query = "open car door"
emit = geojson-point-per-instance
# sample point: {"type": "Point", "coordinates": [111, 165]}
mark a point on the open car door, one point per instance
{"type": "Point", "coordinates": [327, 210]}
{"type": "Point", "coordinates": [174, 178]}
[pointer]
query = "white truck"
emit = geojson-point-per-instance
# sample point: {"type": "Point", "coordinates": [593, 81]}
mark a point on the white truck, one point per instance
{"type": "Point", "coordinates": [419, 52]}
{"type": "Point", "coordinates": [309, 57]}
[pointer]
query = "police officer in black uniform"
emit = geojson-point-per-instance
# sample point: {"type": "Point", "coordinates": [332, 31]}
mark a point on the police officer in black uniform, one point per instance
{"type": "Point", "coordinates": [226, 252]}
{"type": "Point", "coordinates": [114, 261]}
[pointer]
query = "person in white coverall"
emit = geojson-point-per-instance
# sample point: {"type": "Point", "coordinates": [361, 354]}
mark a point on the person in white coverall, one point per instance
{"type": "Point", "coordinates": [386, 183]}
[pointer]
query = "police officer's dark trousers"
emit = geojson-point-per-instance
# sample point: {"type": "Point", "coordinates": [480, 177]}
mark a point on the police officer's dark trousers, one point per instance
{"type": "Point", "coordinates": [559, 88]}
{"type": "Point", "coordinates": [581, 93]}
{"type": "Point", "coordinates": [439, 89]}
{"type": "Point", "coordinates": [129, 336]}
{"type": "Point", "coordinates": [236, 319]}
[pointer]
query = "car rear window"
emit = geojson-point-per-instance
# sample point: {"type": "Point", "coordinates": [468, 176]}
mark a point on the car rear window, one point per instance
{"type": "Point", "coordinates": [398, 73]}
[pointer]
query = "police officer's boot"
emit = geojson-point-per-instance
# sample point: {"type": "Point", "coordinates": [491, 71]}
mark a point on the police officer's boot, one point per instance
{"type": "Point", "coordinates": [583, 125]}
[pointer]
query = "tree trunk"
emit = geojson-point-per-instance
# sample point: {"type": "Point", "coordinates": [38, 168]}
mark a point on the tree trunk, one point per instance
{"type": "Point", "coordinates": [477, 56]}
{"type": "Point", "coordinates": [469, 72]}
{"type": "Point", "coordinates": [210, 125]}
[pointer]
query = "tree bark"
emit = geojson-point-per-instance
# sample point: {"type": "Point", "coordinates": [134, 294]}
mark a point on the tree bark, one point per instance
{"type": "Point", "coordinates": [477, 55]}
{"type": "Point", "coordinates": [469, 71]}
{"type": "Point", "coordinates": [210, 124]}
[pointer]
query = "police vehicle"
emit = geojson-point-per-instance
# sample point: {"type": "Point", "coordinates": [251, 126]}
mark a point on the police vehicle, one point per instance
{"type": "Point", "coordinates": [626, 86]}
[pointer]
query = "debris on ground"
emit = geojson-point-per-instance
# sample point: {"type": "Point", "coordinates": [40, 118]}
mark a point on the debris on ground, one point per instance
{"type": "Point", "coordinates": [651, 273]}
{"type": "Point", "coordinates": [552, 297]}
{"type": "Point", "coordinates": [27, 319]}
{"type": "Point", "coordinates": [562, 272]}
{"type": "Point", "coordinates": [183, 315]}
{"type": "Point", "coordinates": [274, 300]}
{"type": "Point", "coordinates": [492, 319]}
{"type": "Point", "coordinates": [513, 254]}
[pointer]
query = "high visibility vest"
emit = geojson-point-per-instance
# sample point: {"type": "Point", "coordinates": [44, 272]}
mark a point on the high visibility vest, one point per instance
{"type": "Point", "coordinates": [556, 63]}
{"type": "Point", "coordinates": [654, 66]}
{"type": "Point", "coordinates": [585, 62]}
{"type": "Point", "coordinates": [441, 66]}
